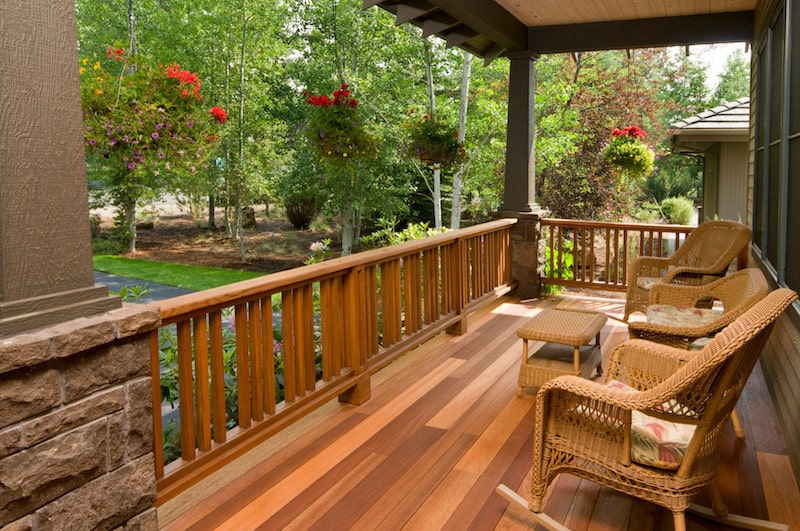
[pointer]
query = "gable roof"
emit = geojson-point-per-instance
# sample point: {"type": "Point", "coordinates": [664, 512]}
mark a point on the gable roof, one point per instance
{"type": "Point", "coordinates": [729, 122]}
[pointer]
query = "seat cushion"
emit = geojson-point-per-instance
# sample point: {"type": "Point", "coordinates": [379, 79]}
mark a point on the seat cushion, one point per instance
{"type": "Point", "coordinates": [648, 282]}
{"type": "Point", "coordinates": [664, 314]}
{"type": "Point", "coordinates": [656, 442]}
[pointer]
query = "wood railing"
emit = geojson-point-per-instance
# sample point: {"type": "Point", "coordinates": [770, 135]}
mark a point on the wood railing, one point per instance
{"type": "Point", "coordinates": [243, 361]}
{"type": "Point", "coordinates": [595, 255]}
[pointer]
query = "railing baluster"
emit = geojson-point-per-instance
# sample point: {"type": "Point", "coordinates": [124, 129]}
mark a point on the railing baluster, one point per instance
{"type": "Point", "coordinates": [268, 351]}
{"type": "Point", "coordinates": [218, 414]}
{"type": "Point", "coordinates": [186, 390]}
{"type": "Point", "coordinates": [203, 403]}
{"type": "Point", "coordinates": [158, 433]}
{"type": "Point", "coordinates": [242, 365]}
{"type": "Point", "coordinates": [256, 360]}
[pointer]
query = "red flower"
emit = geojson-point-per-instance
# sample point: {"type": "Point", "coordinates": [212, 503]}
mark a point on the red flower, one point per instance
{"type": "Point", "coordinates": [219, 114]}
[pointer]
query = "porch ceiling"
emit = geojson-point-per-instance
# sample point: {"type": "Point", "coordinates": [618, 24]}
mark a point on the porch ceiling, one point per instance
{"type": "Point", "coordinates": [490, 28]}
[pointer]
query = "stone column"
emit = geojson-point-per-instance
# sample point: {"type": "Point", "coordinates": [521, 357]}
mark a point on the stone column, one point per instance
{"type": "Point", "coordinates": [76, 424]}
{"type": "Point", "coordinates": [520, 183]}
{"type": "Point", "coordinates": [527, 251]}
{"type": "Point", "coordinates": [45, 246]}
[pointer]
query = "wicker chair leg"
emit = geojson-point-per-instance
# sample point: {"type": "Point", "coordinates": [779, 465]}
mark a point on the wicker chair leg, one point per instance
{"type": "Point", "coordinates": [540, 518]}
{"type": "Point", "coordinates": [679, 521]}
{"type": "Point", "coordinates": [738, 429]}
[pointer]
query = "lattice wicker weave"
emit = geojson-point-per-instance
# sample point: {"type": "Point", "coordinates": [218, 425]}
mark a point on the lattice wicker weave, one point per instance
{"type": "Point", "coordinates": [702, 258]}
{"type": "Point", "coordinates": [737, 292]}
{"type": "Point", "coordinates": [584, 428]}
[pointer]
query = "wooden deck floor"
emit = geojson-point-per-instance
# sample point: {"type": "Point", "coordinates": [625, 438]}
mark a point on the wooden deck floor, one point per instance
{"type": "Point", "coordinates": [443, 428]}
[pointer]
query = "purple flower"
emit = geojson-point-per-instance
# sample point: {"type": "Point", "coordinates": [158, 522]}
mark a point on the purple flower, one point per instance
{"type": "Point", "coordinates": [154, 135]}
{"type": "Point", "coordinates": [131, 166]}
{"type": "Point", "coordinates": [161, 154]}
{"type": "Point", "coordinates": [126, 138]}
{"type": "Point", "coordinates": [159, 126]}
{"type": "Point", "coordinates": [190, 124]}
{"type": "Point", "coordinates": [92, 141]}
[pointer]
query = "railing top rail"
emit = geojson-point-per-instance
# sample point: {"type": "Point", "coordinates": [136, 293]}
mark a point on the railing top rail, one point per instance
{"type": "Point", "coordinates": [247, 289]}
{"type": "Point", "coordinates": [654, 227]}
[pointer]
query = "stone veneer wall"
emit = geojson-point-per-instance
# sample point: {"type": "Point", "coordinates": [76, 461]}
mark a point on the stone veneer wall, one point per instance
{"type": "Point", "coordinates": [76, 435]}
{"type": "Point", "coordinates": [527, 252]}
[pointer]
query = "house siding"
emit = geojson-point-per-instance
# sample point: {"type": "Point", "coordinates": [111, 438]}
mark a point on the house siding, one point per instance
{"type": "Point", "coordinates": [778, 243]}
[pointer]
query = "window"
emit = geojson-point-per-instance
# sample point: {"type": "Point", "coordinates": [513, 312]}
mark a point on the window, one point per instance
{"type": "Point", "coordinates": [776, 193]}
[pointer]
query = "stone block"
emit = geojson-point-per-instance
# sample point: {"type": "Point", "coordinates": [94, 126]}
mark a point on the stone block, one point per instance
{"type": "Point", "coordinates": [38, 475]}
{"type": "Point", "coordinates": [116, 441]}
{"type": "Point", "coordinates": [10, 441]}
{"type": "Point", "coordinates": [80, 335]}
{"type": "Point", "coordinates": [24, 350]}
{"type": "Point", "coordinates": [134, 319]}
{"type": "Point", "coordinates": [139, 410]}
{"type": "Point", "coordinates": [27, 392]}
{"type": "Point", "coordinates": [75, 414]}
{"type": "Point", "coordinates": [23, 524]}
{"type": "Point", "coordinates": [107, 502]}
{"type": "Point", "coordinates": [105, 367]}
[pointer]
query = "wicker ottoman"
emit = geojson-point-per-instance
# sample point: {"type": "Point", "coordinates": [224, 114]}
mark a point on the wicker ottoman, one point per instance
{"type": "Point", "coordinates": [567, 334]}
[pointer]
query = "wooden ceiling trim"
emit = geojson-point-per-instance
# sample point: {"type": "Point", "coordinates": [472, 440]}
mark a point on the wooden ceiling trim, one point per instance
{"type": "Point", "coordinates": [488, 19]}
{"type": "Point", "coordinates": [658, 32]}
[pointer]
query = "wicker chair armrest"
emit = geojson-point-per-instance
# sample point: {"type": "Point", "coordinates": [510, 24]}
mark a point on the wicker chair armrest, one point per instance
{"type": "Point", "coordinates": [674, 274]}
{"type": "Point", "coordinates": [677, 294]}
{"type": "Point", "coordinates": [643, 364]}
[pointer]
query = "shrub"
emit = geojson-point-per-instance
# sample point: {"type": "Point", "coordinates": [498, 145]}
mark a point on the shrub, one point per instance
{"type": "Point", "coordinates": [677, 210]}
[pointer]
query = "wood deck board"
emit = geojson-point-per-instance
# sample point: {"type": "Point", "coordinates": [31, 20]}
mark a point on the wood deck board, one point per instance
{"type": "Point", "coordinates": [443, 428]}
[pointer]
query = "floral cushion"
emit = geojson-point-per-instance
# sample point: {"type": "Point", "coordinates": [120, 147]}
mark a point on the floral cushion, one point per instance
{"type": "Point", "coordinates": [664, 314]}
{"type": "Point", "coordinates": [648, 282]}
{"type": "Point", "coordinates": [656, 442]}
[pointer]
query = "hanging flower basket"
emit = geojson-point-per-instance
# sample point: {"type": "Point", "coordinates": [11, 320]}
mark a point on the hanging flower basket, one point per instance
{"type": "Point", "coordinates": [433, 141]}
{"type": "Point", "coordinates": [335, 129]}
{"type": "Point", "coordinates": [628, 154]}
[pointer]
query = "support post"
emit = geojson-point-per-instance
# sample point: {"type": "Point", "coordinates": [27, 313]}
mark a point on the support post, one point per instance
{"type": "Point", "coordinates": [520, 182]}
{"type": "Point", "coordinates": [46, 273]}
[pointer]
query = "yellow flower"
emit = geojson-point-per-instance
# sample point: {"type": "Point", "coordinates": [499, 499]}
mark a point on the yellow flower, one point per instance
{"type": "Point", "coordinates": [344, 155]}
{"type": "Point", "coordinates": [82, 70]}
{"type": "Point", "coordinates": [98, 79]}
{"type": "Point", "coordinates": [84, 61]}
{"type": "Point", "coordinates": [98, 91]}
{"type": "Point", "coordinates": [96, 66]}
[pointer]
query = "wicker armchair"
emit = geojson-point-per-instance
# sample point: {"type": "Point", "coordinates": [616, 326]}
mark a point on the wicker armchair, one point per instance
{"type": "Point", "coordinates": [591, 430]}
{"type": "Point", "coordinates": [736, 293]}
{"type": "Point", "coordinates": [702, 258]}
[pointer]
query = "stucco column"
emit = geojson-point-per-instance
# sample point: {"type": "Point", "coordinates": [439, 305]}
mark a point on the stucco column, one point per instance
{"type": "Point", "coordinates": [45, 246]}
{"type": "Point", "coordinates": [520, 183]}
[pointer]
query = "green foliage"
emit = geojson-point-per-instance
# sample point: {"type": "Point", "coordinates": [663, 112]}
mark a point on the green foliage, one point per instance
{"type": "Point", "coordinates": [734, 81]}
{"type": "Point", "coordinates": [563, 265]}
{"type": "Point", "coordinates": [432, 140]}
{"type": "Point", "coordinates": [131, 293]}
{"type": "Point", "coordinates": [628, 154]}
{"type": "Point", "coordinates": [387, 235]}
{"type": "Point", "coordinates": [677, 210]}
{"type": "Point", "coordinates": [320, 251]}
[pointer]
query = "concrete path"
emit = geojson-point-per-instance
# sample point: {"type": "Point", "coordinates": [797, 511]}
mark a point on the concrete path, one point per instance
{"type": "Point", "coordinates": [157, 291]}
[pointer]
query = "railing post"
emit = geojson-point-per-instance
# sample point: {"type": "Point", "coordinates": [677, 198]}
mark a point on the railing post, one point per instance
{"type": "Point", "coordinates": [355, 321]}
{"type": "Point", "coordinates": [459, 280]}
{"type": "Point", "coordinates": [527, 251]}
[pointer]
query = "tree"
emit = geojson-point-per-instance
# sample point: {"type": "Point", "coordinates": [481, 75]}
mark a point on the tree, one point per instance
{"type": "Point", "coordinates": [734, 81]}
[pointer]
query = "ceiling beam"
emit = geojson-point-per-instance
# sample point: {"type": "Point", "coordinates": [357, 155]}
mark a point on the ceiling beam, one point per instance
{"type": "Point", "coordinates": [488, 19]}
{"type": "Point", "coordinates": [644, 33]}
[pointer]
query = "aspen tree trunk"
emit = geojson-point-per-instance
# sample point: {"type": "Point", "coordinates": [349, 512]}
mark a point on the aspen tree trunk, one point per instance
{"type": "Point", "coordinates": [455, 213]}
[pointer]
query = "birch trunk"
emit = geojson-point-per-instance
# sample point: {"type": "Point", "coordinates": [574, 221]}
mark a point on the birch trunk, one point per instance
{"type": "Point", "coordinates": [455, 214]}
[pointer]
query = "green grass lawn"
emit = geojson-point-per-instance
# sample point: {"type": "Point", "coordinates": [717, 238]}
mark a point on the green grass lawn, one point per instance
{"type": "Point", "coordinates": [195, 278]}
